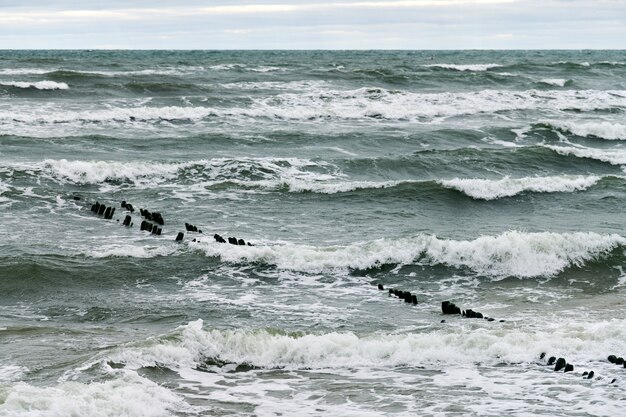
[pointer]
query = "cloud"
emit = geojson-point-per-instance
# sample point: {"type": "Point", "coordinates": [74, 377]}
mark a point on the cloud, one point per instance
{"type": "Point", "coordinates": [301, 24]}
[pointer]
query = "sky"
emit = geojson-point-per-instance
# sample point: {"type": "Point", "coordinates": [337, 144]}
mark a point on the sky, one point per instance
{"type": "Point", "coordinates": [313, 24]}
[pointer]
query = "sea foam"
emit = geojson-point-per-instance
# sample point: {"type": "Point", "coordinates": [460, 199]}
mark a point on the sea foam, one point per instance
{"type": "Point", "coordinates": [320, 104]}
{"type": "Point", "coordinates": [612, 156]}
{"type": "Point", "coordinates": [39, 85]}
{"type": "Point", "coordinates": [603, 130]}
{"type": "Point", "coordinates": [483, 189]}
{"type": "Point", "coordinates": [512, 253]}
{"type": "Point", "coordinates": [558, 82]}
{"type": "Point", "coordinates": [434, 347]}
{"type": "Point", "coordinates": [465, 67]}
{"type": "Point", "coordinates": [127, 395]}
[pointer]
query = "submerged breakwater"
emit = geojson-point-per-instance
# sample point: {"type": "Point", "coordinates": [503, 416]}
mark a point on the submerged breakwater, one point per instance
{"type": "Point", "coordinates": [301, 182]}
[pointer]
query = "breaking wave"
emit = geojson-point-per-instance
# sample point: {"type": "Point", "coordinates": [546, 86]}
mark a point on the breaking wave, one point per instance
{"type": "Point", "coordinates": [512, 253]}
{"type": "Point", "coordinates": [507, 187]}
{"type": "Point", "coordinates": [465, 67]}
{"type": "Point", "coordinates": [363, 103]}
{"type": "Point", "coordinates": [603, 130]}
{"type": "Point", "coordinates": [38, 85]}
{"type": "Point", "coordinates": [612, 156]}
{"type": "Point", "coordinates": [557, 82]}
{"type": "Point", "coordinates": [273, 349]}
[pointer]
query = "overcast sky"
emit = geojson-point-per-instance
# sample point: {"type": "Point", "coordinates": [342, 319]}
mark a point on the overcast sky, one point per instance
{"type": "Point", "coordinates": [313, 24]}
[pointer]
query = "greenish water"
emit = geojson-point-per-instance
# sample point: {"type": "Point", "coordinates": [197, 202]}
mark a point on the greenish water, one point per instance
{"type": "Point", "coordinates": [494, 179]}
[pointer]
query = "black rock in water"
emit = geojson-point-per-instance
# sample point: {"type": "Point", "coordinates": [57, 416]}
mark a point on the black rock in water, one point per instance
{"type": "Point", "coordinates": [414, 299]}
{"type": "Point", "coordinates": [619, 361]}
{"type": "Point", "coordinates": [241, 242]}
{"type": "Point", "coordinates": [448, 307]}
{"type": "Point", "coordinates": [158, 218]}
{"type": "Point", "coordinates": [180, 236]}
{"type": "Point", "coordinates": [101, 209]}
{"type": "Point", "coordinates": [543, 355]}
{"type": "Point", "coordinates": [551, 360]}
{"type": "Point", "coordinates": [127, 220]}
{"type": "Point", "coordinates": [569, 367]}
{"type": "Point", "coordinates": [123, 205]}
{"type": "Point", "coordinates": [380, 287]}
{"type": "Point", "coordinates": [612, 358]}
{"type": "Point", "coordinates": [407, 297]}
{"type": "Point", "coordinates": [107, 212]}
{"type": "Point", "coordinates": [590, 375]}
{"type": "Point", "coordinates": [560, 364]}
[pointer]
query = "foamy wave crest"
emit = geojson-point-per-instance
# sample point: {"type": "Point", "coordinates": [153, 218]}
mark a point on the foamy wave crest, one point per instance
{"type": "Point", "coordinates": [612, 156]}
{"type": "Point", "coordinates": [604, 130]}
{"type": "Point", "coordinates": [376, 103]}
{"type": "Point", "coordinates": [558, 82]}
{"type": "Point", "coordinates": [11, 372]}
{"type": "Point", "coordinates": [322, 104]}
{"type": "Point", "coordinates": [128, 395]}
{"type": "Point", "coordinates": [322, 187]}
{"type": "Point", "coordinates": [459, 345]}
{"type": "Point", "coordinates": [24, 71]}
{"type": "Point", "coordinates": [132, 251]}
{"type": "Point", "coordinates": [507, 187]}
{"type": "Point", "coordinates": [96, 172]}
{"type": "Point", "coordinates": [512, 253]}
{"type": "Point", "coordinates": [243, 67]}
{"type": "Point", "coordinates": [276, 85]}
{"type": "Point", "coordinates": [465, 67]}
{"type": "Point", "coordinates": [273, 173]}
{"type": "Point", "coordinates": [51, 115]}
{"type": "Point", "coordinates": [39, 85]}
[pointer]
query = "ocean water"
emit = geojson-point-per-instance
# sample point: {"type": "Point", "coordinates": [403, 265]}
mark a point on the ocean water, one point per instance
{"type": "Point", "coordinates": [492, 179]}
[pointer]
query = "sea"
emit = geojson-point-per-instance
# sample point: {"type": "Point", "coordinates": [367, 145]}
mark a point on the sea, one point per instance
{"type": "Point", "coordinates": [495, 180]}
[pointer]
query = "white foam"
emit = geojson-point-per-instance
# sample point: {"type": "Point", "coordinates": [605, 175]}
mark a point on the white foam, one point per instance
{"type": "Point", "coordinates": [166, 70]}
{"type": "Point", "coordinates": [465, 67]}
{"type": "Point", "coordinates": [322, 187]}
{"type": "Point", "coordinates": [604, 129]}
{"type": "Point", "coordinates": [39, 85]}
{"type": "Point", "coordinates": [402, 105]}
{"type": "Point", "coordinates": [454, 345]}
{"type": "Point", "coordinates": [558, 82]}
{"type": "Point", "coordinates": [127, 395]}
{"type": "Point", "coordinates": [276, 85]}
{"type": "Point", "coordinates": [507, 187]}
{"type": "Point", "coordinates": [11, 372]}
{"type": "Point", "coordinates": [24, 71]}
{"type": "Point", "coordinates": [612, 156]}
{"type": "Point", "coordinates": [264, 172]}
{"type": "Point", "coordinates": [96, 172]}
{"type": "Point", "coordinates": [511, 253]}
{"type": "Point", "coordinates": [132, 251]}
{"type": "Point", "coordinates": [323, 104]}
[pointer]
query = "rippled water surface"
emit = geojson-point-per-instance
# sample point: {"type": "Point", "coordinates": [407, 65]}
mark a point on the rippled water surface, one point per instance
{"type": "Point", "coordinates": [495, 180]}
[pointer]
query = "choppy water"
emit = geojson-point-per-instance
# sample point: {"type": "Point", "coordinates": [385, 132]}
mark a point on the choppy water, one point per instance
{"type": "Point", "coordinates": [492, 179]}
